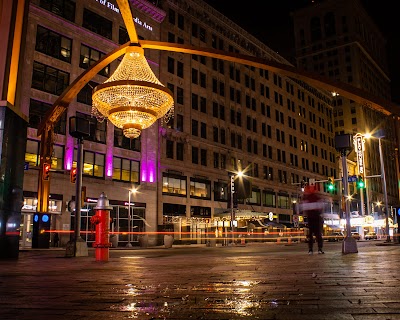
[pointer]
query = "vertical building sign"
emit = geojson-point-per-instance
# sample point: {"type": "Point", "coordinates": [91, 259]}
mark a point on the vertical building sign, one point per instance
{"type": "Point", "coordinates": [359, 146]}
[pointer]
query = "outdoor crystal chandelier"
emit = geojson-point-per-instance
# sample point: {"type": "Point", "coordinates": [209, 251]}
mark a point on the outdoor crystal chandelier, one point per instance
{"type": "Point", "coordinates": [132, 98]}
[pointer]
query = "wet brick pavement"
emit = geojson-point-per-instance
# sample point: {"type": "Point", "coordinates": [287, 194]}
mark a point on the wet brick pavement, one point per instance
{"type": "Point", "coordinates": [257, 281]}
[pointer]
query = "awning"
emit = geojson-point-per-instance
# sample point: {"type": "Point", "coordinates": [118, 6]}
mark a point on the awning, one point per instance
{"type": "Point", "coordinates": [288, 224]}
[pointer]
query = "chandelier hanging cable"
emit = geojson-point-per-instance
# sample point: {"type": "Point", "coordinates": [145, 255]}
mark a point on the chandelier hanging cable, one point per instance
{"type": "Point", "coordinates": [133, 98]}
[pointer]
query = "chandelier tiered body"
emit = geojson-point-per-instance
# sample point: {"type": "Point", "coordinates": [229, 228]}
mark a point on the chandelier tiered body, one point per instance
{"type": "Point", "coordinates": [132, 98]}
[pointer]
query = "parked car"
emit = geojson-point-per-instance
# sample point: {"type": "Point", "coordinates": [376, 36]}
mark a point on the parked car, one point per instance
{"type": "Point", "coordinates": [336, 236]}
{"type": "Point", "coordinates": [356, 235]}
{"type": "Point", "coordinates": [371, 236]}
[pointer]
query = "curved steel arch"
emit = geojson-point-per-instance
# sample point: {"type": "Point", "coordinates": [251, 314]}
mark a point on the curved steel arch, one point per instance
{"type": "Point", "coordinates": [384, 106]}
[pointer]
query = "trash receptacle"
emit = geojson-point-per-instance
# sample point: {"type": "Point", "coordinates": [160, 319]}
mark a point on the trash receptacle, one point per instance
{"type": "Point", "coordinates": [168, 241]}
{"type": "Point", "coordinates": [114, 240]}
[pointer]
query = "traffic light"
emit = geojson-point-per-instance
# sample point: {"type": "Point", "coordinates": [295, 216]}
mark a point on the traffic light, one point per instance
{"type": "Point", "coordinates": [73, 175]}
{"type": "Point", "coordinates": [331, 183]}
{"type": "Point", "coordinates": [46, 171]}
{"type": "Point", "coordinates": [360, 182]}
{"type": "Point", "coordinates": [303, 185]}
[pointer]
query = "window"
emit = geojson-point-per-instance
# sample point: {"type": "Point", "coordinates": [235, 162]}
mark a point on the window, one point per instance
{"type": "Point", "coordinates": [203, 157]}
{"type": "Point", "coordinates": [203, 130]}
{"type": "Point", "coordinates": [123, 142]}
{"type": "Point", "coordinates": [200, 188]}
{"type": "Point", "coordinates": [179, 122]}
{"type": "Point", "coordinates": [32, 155]}
{"type": "Point", "coordinates": [37, 112]}
{"type": "Point", "coordinates": [170, 149]}
{"type": "Point", "coordinates": [123, 36]}
{"type": "Point", "coordinates": [195, 127]}
{"type": "Point", "coordinates": [85, 95]}
{"type": "Point", "coordinates": [126, 170]}
{"type": "Point", "coordinates": [220, 191]}
{"type": "Point", "coordinates": [202, 212]}
{"type": "Point", "coordinates": [98, 130]}
{"type": "Point", "coordinates": [269, 199]}
{"type": "Point", "coordinates": [53, 44]}
{"type": "Point", "coordinates": [62, 8]}
{"type": "Point", "coordinates": [174, 185]}
{"type": "Point", "coordinates": [93, 163]}
{"type": "Point", "coordinates": [49, 79]}
{"type": "Point", "coordinates": [90, 56]}
{"type": "Point", "coordinates": [179, 151]}
{"type": "Point", "coordinates": [216, 160]}
{"type": "Point", "coordinates": [283, 201]}
{"type": "Point", "coordinates": [195, 155]}
{"type": "Point", "coordinates": [96, 23]}
{"type": "Point", "coordinates": [255, 197]}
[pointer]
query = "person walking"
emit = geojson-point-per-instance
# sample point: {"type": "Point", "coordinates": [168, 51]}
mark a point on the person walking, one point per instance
{"type": "Point", "coordinates": [311, 207]}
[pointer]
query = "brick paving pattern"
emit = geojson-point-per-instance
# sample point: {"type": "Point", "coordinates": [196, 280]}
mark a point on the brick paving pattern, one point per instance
{"type": "Point", "coordinates": [257, 281]}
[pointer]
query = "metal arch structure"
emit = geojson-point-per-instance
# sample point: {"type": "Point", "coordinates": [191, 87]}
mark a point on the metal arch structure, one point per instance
{"type": "Point", "coordinates": [46, 127]}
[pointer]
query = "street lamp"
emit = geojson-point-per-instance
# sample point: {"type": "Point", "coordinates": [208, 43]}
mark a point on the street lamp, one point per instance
{"type": "Point", "coordinates": [379, 135]}
{"type": "Point", "coordinates": [233, 177]}
{"type": "Point", "coordinates": [129, 216]}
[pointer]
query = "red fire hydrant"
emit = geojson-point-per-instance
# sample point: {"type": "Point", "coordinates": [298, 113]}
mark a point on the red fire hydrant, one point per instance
{"type": "Point", "coordinates": [102, 222]}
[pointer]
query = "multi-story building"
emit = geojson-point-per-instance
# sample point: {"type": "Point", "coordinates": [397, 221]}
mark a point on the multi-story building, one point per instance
{"type": "Point", "coordinates": [227, 117]}
{"type": "Point", "coordinates": [338, 39]}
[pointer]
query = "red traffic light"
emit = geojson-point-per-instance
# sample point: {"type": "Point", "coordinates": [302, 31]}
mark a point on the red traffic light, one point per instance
{"type": "Point", "coordinates": [46, 171]}
{"type": "Point", "coordinates": [73, 175]}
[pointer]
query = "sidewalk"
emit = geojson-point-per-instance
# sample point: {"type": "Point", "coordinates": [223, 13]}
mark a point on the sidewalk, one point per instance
{"type": "Point", "coordinates": [257, 281]}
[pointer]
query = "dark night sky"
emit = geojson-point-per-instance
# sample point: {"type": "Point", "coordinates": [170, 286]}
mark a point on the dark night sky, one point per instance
{"type": "Point", "coordinates": [270, 22]}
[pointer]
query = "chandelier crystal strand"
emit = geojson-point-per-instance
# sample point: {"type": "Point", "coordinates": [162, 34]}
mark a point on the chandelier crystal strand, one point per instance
{"type": "Point", "coordinates": [133, 98]}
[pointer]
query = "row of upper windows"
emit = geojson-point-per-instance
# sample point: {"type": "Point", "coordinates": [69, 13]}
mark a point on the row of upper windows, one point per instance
{"type": "Point", "coordinates": [235, 95]}
{"type": "Point", "coordinates": [176, 185]}
{"type": "Point", "coordinates": [93, 163]}
{"type": "Point", "coordinates": [200, 156]}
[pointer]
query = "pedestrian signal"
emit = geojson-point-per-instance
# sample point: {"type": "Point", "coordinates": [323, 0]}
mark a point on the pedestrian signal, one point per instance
{"type": "Point", "coordinates": [360, 182]}
{"type": "Point", "coordinates": [73, 175]}
{"type": "Point", "coordinates": [46, 171]}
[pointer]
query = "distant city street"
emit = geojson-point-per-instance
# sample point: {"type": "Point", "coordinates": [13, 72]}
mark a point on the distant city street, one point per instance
{"type": "Point", "coordinates": [256, 281]}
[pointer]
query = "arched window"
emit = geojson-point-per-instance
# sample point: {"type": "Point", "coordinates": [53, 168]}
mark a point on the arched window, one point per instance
{"type": "Point", "coordinates": [329, 24]}
{"type": "Point", "coordinates": [315, 26]}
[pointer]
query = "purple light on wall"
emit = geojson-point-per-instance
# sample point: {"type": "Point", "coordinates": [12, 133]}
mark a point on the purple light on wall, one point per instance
{"type": "Point", "coordinates": [109, 162]}
{"type": "Point", "coordinates": [69, 153]}
{"type": "Point", "coordinates": [143, 172]}
{"type": "Point", "coordinates": [151, 172]}
{"type": "Point", "coordinates": [147, 171]}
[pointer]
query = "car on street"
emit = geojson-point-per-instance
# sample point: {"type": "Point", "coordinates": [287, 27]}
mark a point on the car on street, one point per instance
{"type": "Point", "coordinates": [336, 236]}
{"type": "Point", "coordinates": [356, 235]}
{"type": "Point", "coordinates": [371, 236]}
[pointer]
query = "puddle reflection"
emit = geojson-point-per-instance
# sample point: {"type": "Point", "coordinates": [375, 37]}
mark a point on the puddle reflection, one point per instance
{"type": "Point", "coordinates": [239, 299]}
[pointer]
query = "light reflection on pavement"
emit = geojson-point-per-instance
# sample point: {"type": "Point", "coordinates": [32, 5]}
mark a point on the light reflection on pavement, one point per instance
{"type": "Point", "coordinates": [259, 281]}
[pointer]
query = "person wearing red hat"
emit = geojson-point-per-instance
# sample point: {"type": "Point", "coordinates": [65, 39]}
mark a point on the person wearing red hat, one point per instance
{"type": "Point", "coordinates": [311, 206]}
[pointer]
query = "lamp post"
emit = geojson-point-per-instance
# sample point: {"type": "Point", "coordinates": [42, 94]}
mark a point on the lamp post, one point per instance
{"type": "Point", "coordinates": [384, 188]}
{"type": "Point", "coordinates": [233, 177]}
{"type": "Point", "coordinates": [129, 217]}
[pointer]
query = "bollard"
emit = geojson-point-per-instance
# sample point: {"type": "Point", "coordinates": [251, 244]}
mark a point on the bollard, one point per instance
{"type": "Point", "coordinates": [289, 240]}
{"type": "Point", "coordinates": [102, 221]}
{"type": "Point", "coordinates": [278, 240]}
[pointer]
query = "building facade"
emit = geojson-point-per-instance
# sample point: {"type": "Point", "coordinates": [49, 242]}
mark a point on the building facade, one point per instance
{"type": "Point", "coordinates": [339, 40]}
{"type": "Point", "coordinates": [227, 118]}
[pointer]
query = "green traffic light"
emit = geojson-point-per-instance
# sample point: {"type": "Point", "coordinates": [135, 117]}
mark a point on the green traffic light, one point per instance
{"type": "Point", "coordinates": [360, 183]}
{"type": "Point", "coordinates": [331, 187]}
